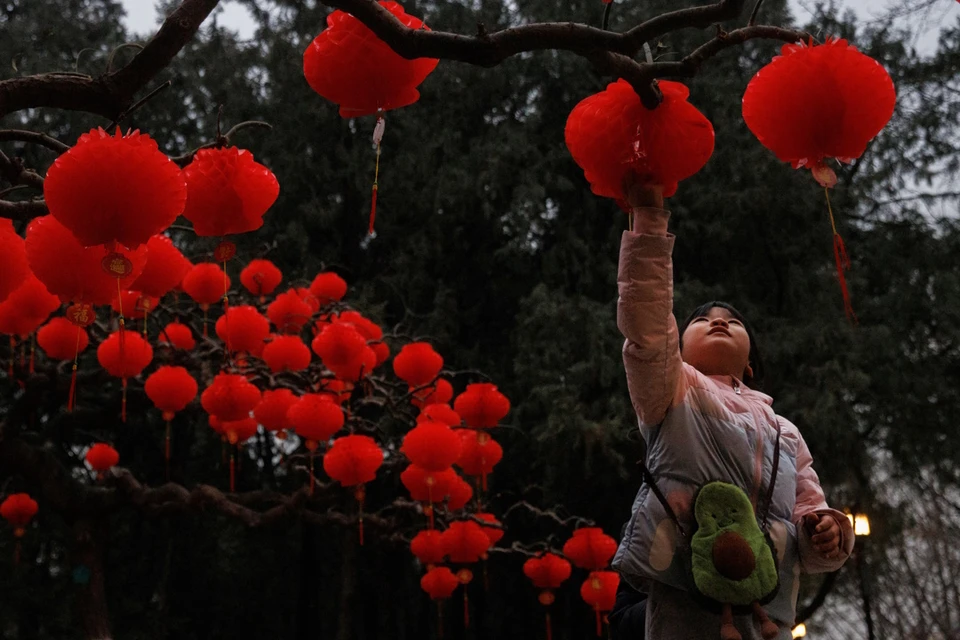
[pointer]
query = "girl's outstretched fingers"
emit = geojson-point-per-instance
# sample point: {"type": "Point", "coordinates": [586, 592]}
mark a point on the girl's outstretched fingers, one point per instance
{"type": "Point", "coordinates": [826, 537]}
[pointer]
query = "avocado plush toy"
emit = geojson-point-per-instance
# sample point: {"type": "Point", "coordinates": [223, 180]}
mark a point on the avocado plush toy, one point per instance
{"type": "Point", "coordinates": [731, 558]}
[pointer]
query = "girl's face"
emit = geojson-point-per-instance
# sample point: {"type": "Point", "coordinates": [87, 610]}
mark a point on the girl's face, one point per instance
{"type": "Point", "coordinates": [717, 344]}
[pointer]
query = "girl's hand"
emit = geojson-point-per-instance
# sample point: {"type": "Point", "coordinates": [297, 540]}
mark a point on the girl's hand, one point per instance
{"type": "Point", "coordinates": [824, 533]}
{"type": "Point", "coordinates": [646, 200]}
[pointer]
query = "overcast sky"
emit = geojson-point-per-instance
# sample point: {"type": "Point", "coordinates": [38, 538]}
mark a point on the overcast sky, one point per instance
{"type": "Point", "coordinates": [142, 17]}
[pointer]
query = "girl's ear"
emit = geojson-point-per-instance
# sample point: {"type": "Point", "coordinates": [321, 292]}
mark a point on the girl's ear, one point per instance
{"type": "Point", "coordinates": [748, 372]}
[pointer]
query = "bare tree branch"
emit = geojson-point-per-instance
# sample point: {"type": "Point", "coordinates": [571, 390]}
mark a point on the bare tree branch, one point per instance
{"type": "Point", "coordinates": [42, 139]}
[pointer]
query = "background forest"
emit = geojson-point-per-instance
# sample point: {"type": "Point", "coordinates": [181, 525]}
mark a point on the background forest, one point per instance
{"type": "Point", "coordinates": [490, 244]}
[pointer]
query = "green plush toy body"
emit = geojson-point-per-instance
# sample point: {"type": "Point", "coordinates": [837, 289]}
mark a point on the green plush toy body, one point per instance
{"type": "Point", "coordinates": [731, 559]}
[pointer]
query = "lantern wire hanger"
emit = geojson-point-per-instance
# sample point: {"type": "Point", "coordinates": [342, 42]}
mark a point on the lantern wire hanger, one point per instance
{"type": "Point", "coordinates": [377, 138]}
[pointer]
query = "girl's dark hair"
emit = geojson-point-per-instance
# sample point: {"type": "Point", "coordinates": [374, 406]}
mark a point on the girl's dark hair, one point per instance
{"type": "Point", "coordinates": [756, 362]}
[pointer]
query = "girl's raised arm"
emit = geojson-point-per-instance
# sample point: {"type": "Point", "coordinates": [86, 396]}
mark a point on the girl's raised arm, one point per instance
{"type": "Point", "coordinates": [651, 353]}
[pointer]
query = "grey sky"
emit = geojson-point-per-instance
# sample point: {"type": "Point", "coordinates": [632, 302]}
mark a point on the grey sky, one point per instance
{"type": "Point", "coordinates": [142, 16]}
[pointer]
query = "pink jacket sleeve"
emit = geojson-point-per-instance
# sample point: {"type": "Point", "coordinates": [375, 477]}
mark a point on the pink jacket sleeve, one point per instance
{"type": "Point", "coordinates": [810, 499]}
{"type": "Point", "coordinates": [651, 353]}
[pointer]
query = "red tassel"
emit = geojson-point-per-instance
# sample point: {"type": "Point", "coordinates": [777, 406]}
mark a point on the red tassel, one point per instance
{"type": "Point", "coordinates": [466, 608]}
{"type": "Point", "coordinates": [440, 619]}
{"type": "Point", "coordinates": [373, 208]}
{"type": "Point", "coordinates": [312, 477]}
{"type": "Point", "coordinates": [549, 627]}
{"type": "Point", "coordinates": [13, 354]}
{"type": "Point", "coordinates": [33, 338]}
{"type": "Point", "coordinates": [599, 622]}
{"type": "Point", "coordinates": [233, 472]}
{"type": "Point", "coordinates": [360, 494]}
{"type": "Point", "coordinates": [205, 308]}
{"type": "Point", "coordinates": [16, 553]}
{"type": "Point", "coordinates": [166, 451]}
{"type": "Point", "coordinates": [72, 396]}
{"type": "Point", "coordinates": [483, 479]}
{"type": "Point", "coordinates": [123, 403]}
{"type": "Point", "coordinates": [843, 264]}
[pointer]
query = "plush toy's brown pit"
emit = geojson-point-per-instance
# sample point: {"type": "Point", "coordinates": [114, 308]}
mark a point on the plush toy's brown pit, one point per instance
{"type": "Point", "coordinates": [733, 557]}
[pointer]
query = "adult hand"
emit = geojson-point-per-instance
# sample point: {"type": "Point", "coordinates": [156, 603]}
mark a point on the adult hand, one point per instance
{"type": "Point", "coordinates": [824, 532]}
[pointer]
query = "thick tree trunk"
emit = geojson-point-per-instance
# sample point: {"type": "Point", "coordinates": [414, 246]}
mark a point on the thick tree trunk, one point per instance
{"type": "Point", "coordinates": [90, 604]}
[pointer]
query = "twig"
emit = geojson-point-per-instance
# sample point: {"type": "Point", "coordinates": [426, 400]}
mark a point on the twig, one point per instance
{"type": "Point", "coordinates": [753, 15]}
{"type": "Point", "coordinates": [227, 138]}
{"type": "Point", "coordinates": [606, 15]}
{"type": "Point", "coordinates": [116, 50]}
{"type": "Point", "coordinates": [42, 139]}
{"type": "Point", "coordinates": [139, 103]}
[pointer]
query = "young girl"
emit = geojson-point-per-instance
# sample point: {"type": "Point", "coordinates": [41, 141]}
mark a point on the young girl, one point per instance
{"type": "Point", "coordinates": [703, 423]}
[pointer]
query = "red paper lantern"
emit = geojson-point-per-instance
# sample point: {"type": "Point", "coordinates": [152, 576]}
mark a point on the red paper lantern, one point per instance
{"type": "Point", "coordinates": [27, 308]}
{"type": "Point", "coordinates": [170, 389]}
{"type": "Point", "coordinates": [817, 102]}
{"type": "Point", "coordinates": [308, 298]}
{"type": "Point", "coordinates": [479, 455]}
{"type": "Point", "coordinates": [114, 189]}
{"type": "Point", "coordinates": [353, 460]}
{"type": "Point", "coordinates": [71, 271]}
{"type": "Point", "coordinates": [230, 397]}
{"type": "Point", "coordinates": [465, 542]}
{"type": "Point", "coordinates": [599, 591]}
{"type": "Point", "coordinates": [227, 192]}
{"type": "Point", "coordinates": [549, 571]}
{"type": "Point", "coordinates": [382, 351]}
{"type": "Point", "coordinates": [273, 408]}
{"type": "Point", "coordinates": [128, 362]}
{"type": "Point", "coordinates": [427, 486]}
{"type": "Point", "coordinates": [439, 583]}
{"type": "Point", "coordinates": [337, 390]}
{"type": "Point", "coordinates": [315, 418]}
{"type": "Point", "coordinates": [427, 546]}
{"type": "Point", "coordinates": [459, 493]}
{"type": "Point", "coordinates": [355, 370]}
{"type": "Point", "coordinates": [590, 548]}
{"type": "Point", "coordinates": [441, 413]}
{"type": "Point", "coordinates": [288, 312]}
{"type": "Point", "coordinates": [60, 339]}
{"type": "Point", "coordinates": [481, 406]}
{"type": "Point", "coordinates": [417, 364]}
{"type": "Point", "coordinates": [350, 66]}
{"type": "Point", "coordinates": [339, 343]}
{"type": "Point", "coordinates": [164, 270]}
{"type": "Point", "coordinates": [260, 277]}
{"type": "Point", "coordinates": [178, 335]}
{"type": "Point", "coordinates": [286, 353]}
{"type": "Point", "coordinates": [18, 509]}
{"type": "Point", "coordinates": [494, 534]}
{"type": "Point", "coordinates": [243, 328]}
{"type": "Point", "coordinates": [328, 287]}
{"type": "Point", "coordinates": [102, 457]}
{"type": "Point", "coordinates": [206, 283]}
{"type": "Point", "coordinates": [611, 134]}
{"type": "Point", "coordinates": [441, 392]}
{"type": "Point", "coordinates": [238, 432]}
{"type": "Point", "coordinates": [432, 445]}
{"type": "Point", "coordinates": [134, 305]}
{"type": "Point", "coordinates": [13, 259]}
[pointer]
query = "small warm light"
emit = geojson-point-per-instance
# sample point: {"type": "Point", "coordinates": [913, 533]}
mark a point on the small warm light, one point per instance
{"type": "Point", "coordinates": [800, 630]}
{"type": "Point", "coordinates": [861, 525]}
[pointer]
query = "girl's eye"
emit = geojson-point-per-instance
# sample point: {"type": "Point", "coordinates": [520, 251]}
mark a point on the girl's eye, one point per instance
{"type": "Point", "coordinates": [696, 320]}
{"type": "Point", "coordinates": [735, 322]}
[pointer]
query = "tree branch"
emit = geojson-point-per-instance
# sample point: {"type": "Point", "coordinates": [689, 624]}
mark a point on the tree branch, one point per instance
{"type": "Point", "coordinates": [42, 139]}
{"type": "Point", "coordinates": [112, 94]}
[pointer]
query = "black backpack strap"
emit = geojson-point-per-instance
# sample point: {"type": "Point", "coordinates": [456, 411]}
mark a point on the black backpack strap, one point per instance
{"type": "Point", "coordinates": [652, 482]}
{"type": "Point", "coordinates": [764, 510]}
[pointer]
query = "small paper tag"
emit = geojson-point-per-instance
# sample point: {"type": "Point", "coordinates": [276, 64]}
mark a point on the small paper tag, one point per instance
{"type": "Point", "coordinates": [225, 251]}
{"type": "Point", "coordinates": [81, 314]}
{"type": "Point", "coordinates": [117, 265]}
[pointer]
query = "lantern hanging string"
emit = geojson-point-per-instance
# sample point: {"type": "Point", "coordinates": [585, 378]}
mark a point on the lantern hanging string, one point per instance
{"type": "Point", "coordinates": [842, 261]}
{"type": "Point", "coordinates": [233, 471]}
{"type": "Point", "coordinates": [596, 609]}
{"type": "Point", "coordinates": [33, 342]}
{"type": "Point", "coordinates": [466, 608]}
{"type": "Point", "coordinates": [549, 626]}
{"type": "Point", "coordinates": [72, 395]}
{"type": "Point", "coordinates": [377, 138]}
{"type": "Point", "coordinates": [166, 451]}
{"type": "Point", "coordinates": [120, 314]}
{"type": "Point", "coordinates": [123, 401]}
{"type": "Point", "coordinates": [13, 354]}
{"type": "Point", "coordinates": [440, 619]}
{"type": "Point", "coordinates": [360, 493]}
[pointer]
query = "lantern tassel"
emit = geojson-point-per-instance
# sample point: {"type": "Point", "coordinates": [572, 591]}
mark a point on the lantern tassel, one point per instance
{"type": "Point", "coordinates": [205, 308]}
{"type": "Point", "coordinates": [72, 396]}
{"type": "Point", "coordinates": [549, 629]}
{"type": "Point", "coordinates": [166, 451]}
{"type": "Point", "coordinates": [123, 402]}
{"type": "Point", "coordinates": [233, 472]}
{"type": "Point", "coordinates": [466, 608]}
{"type": "Point", "coordinates": [360, 494]}
{"type": "Point", "coordinates": [596, 610]}
{"type": "Point", "coordinates": [312, 478]}
{"type": "Point", "coordinates": [377, 137]}
{"type": "Point", "coordinates": [33, 341]}
{"type": "Point", "coordinates": [440, 619]}
{"type": "Point", "coordinates": [16, 553]}
{"type": "Point", "coordinates": [120, 314]}
{"type": "Point", "coordinates": [13, 354]}
{"type": "Point", "coordinates": [842, 261]}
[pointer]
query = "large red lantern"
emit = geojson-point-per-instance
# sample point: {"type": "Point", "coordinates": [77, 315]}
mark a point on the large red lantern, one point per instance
{"type": "Point", "coordinates": [493, 533]}
{"type": "Point", "coordinates": [611, 135]}
{"type": "Point", "coordinates": [547, 573]}
{"type": "Point", "coordinates": [440, 392]}
{"type": "Point", "coordinates": [178, 335]}
{"type": "Point", "coordinates": [465, 543]}
{"type": "Point", "coordinates": [352, 461]}
{"type": "Point", "coordinates": [459, 493]}
{"type": "Point", "coordinates": [227, 192]}
{"type": "Point", "coordinates": [417, 364]}
{"type": "Point", "coordinates": [427, 486]}
{"type": "Point", "coordinates": [427, 546]}
{"type": "Point", "coordinates": [124, 357]}
{"type": "Point", "coordinates": [27, 308]}
{"type": "Point", "coordinates": [260, 277]}
{"type": "Point", "coordinates": [812, 103]}
{"type": "Point", "coordinates": [479, 454]}
{"type": "Point", "coordinates": [170, 389]}
{"type": "Point", "coordinates": [18, 509]}
{"type": "Point", "coordinates": [13, 259]}
{"type": "Point", "coordinates": [344, 351]}
{"type": "Point", "coordinates": [164, 270]}
{"type": "Point", "coordinates": [315, 418]}
{"type": "Point", "coordinates": [350, 66]}
{"type": "Point", "coordinates": [110, 190]}
{"type": "Point", "coordinates": [71, 271]}
{"type": "Point", "coordinates": [590, 548]}
{"type": "Point", "coordinates": [482, 406]}
{"type": "Point", "coordinates": [599, 591]}
{"type": "Point", "coordinates": [439, 583]}
{"type": "Point", "coordinates": [328, 287]}
{"type": "Point", "coordinates": [60, 339]}
{"type": "Point", "coordinates": [230, 397]}
{"type": "Point", "coordinates": [243, 328]}
{"type": "Point", "coordinates": [288, 312]}
{"type": "Point", "coordinates": [432, 445]}
{"type": "Point", "coordinates": [272, 410]}
{"type": "Point", "coordinates": [286, 353]}
{"type": "Point", "coordinates": [206, 283]}
{"type": "Point", "coordinates": [101, 458]}
{"type": "Point", "coordinates": [440, 413]}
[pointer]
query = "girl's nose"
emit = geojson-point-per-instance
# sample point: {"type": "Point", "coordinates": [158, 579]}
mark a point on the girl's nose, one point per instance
{"type": "Point", "coordinates": [719, 321]}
